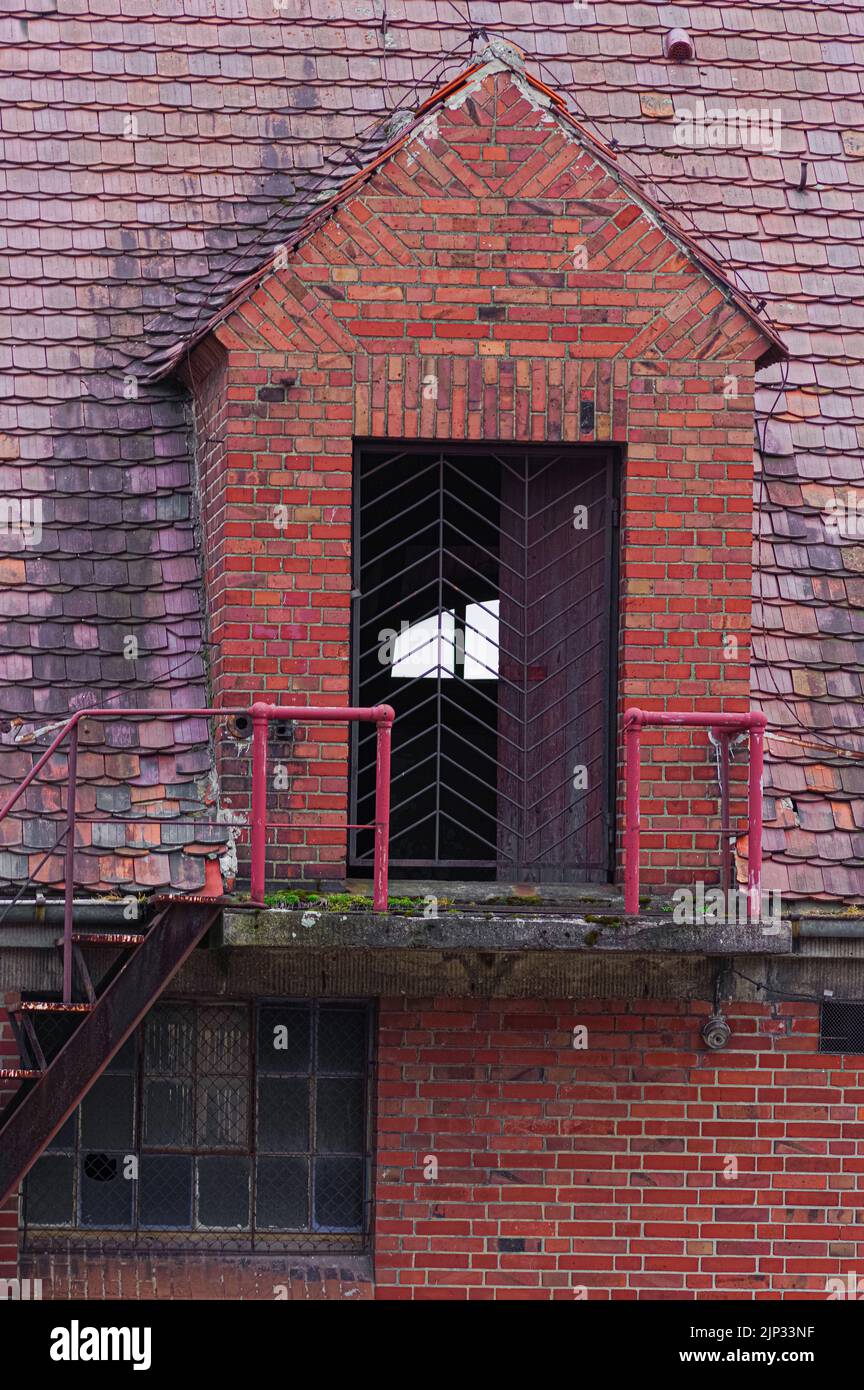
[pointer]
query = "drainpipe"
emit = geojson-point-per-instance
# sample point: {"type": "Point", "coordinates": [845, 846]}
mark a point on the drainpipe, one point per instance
{"type": "Point", "coordinates": [36, 912]}
{"type": "Point", "coordinates": [826, 927]}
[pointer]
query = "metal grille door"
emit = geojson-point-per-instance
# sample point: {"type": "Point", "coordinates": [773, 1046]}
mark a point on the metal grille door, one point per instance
{"type": "Point", "coordinates": [482, 611]}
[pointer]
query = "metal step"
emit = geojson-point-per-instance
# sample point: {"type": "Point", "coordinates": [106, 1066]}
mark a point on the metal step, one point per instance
{"type": "Point", "coordinates": [18, 1074]}
{"type": "Point", "coordinates": [104, 938]}
{"type": "Point", "coordinates": [47, 1006]}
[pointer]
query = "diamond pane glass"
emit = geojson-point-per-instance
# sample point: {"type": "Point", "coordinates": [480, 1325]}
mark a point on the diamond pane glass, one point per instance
{"type": "Point", "coordinates": [107, 1112]}
{"type": "Point", "coordinates": [341, 1038]}
{"type": "Point", "coordinates": [223, 1193]}
{"type": "Point", "coordinates": [284, 1038]}
{"type": "Point", "coordinates": [283, 1114]}
{"type": "Point", "coordinates": [166, 1191]}
{"type": "Point", "coordinates": [339, 1114]}
{"type": "Point", "coordinates": [167, 1114]}
{"type": "Point", "coordinates": [282, 1194]}
{"type": "Point", "coordinates": [50, 1191]}
{"type": "Point", "coordinates": [223, 1108]}
{"type": "Point", "coordinates": [338, 1193]}
{"type": "Point", "coordinates": [222, 1041]}
{"type": "Point", "coordinates": [107, 1195]}
{"type": "Point", "coordinates": [169, 1037]}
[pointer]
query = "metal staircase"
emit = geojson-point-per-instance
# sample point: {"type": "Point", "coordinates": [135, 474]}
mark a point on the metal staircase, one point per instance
{"type": "Point", "coordinates": [49, 1092]}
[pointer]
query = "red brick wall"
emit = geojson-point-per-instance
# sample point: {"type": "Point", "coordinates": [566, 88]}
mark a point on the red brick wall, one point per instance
{"type": "Point", "coordinates": [461, 258]}
{"type": "Point", "coordinates": [609, 1161]}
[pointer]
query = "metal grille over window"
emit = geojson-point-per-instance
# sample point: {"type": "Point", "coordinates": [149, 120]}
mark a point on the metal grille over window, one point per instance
{"type": "Point", "coordinates": [483, 612]}
{"type": "Point", "coordinates": [218, 1125]}
{"type": "Point", "coordinates": [841, 1026]}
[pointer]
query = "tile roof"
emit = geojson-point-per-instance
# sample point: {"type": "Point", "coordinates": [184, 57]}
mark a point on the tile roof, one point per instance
{"type": "Point", "coordinates": [151, 161]}
{"type": "Point", "coordinates": [306, 215]}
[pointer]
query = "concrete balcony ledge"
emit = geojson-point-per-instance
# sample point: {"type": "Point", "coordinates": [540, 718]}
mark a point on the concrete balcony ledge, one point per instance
{"type": "Point", "coordinates": [473, 918]}
{"type": "Point", "coordinates": [498, 946]}
{"type": "Point", "coordinates": [485, 930]}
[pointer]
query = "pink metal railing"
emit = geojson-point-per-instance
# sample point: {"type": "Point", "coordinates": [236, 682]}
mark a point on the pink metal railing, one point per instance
{"type": "Point", "coordinates": [381, 715]}
{"type": "Point", "coordinates": [723, 726]}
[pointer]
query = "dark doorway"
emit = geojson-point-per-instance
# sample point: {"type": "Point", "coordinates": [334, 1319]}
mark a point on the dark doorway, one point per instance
{"type": "Point", "coordinates": [483, 611]}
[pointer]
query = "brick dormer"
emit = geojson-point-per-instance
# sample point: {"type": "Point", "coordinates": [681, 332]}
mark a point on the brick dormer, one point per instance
{"type": "Point", "coordinates": [489, 279]}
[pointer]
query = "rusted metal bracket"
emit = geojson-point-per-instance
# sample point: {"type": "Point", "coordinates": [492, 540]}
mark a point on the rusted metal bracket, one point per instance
{"type": "Point", "coordinates": [32, 1055]}
{"type": "Point", "coordinates": [29, 1051]}
{"type": "Point", "coordinates": [83, 973]}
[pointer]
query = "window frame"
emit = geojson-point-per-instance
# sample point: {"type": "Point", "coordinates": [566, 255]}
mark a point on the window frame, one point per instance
{"type": "Point", "coordinates": [253, 1238]}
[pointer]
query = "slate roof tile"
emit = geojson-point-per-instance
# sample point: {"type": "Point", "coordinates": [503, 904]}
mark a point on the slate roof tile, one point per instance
{"type": "Point", "coordinates": [114, 249]}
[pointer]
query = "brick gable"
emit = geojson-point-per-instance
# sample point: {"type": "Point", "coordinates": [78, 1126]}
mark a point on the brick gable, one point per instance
{"type": "Point", "coordinates": [489, 279]}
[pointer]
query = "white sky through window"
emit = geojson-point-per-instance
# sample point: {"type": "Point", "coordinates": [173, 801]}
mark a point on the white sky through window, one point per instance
{"type": "Point", "coordinates": [428, 649]}
{"type": "Point", "coordinates": [481, 641]}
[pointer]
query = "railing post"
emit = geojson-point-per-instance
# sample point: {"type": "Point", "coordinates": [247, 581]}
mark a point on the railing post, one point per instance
{"type": "Point", "coordinates": [632, 775]}
{"type": "Point", "coordinates": [260, 721]}
{"type": "Point", "coordinates": [69, 869]}
{"type": "Point", "coordinates": [754, 816]}
{"type": "Point", "coordinates": [722, 736]}
{"type": "Point", "coordinates": [384, 729]}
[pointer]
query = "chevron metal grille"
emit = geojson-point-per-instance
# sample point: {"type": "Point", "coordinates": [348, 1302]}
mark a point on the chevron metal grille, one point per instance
{"type": "Point", "coordinates": [483, 611]}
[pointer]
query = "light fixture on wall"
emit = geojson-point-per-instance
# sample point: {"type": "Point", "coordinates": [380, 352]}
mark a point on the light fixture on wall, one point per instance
{"type": "Point", "coordinates": [716, 1033]}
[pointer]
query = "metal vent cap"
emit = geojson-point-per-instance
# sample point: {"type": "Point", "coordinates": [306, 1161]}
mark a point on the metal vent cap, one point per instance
{"type": "Point", "coordinates": [678, 46]}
